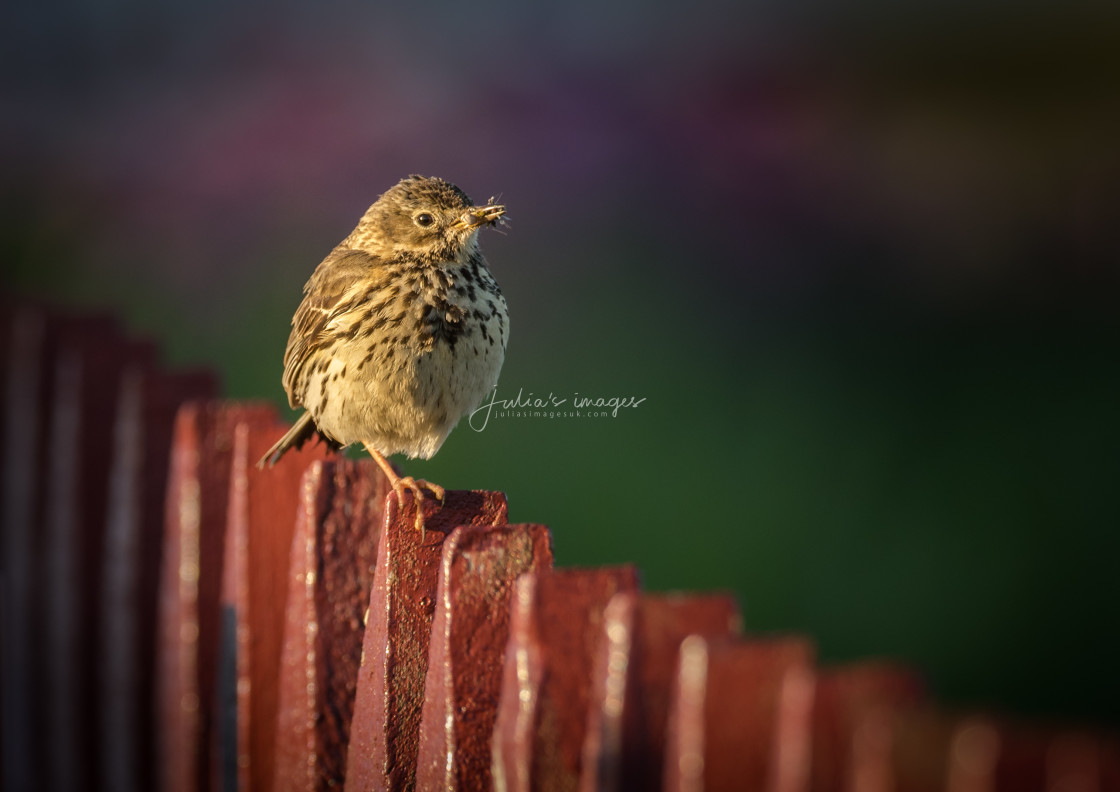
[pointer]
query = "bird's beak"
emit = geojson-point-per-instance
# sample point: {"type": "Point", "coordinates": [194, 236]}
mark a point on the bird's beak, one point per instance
{"type": "Point", "coordinates": [478, 216]}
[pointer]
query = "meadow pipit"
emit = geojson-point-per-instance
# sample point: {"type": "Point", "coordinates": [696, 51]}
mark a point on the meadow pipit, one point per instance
{"type": "Point", "coordinates": [402, 330]}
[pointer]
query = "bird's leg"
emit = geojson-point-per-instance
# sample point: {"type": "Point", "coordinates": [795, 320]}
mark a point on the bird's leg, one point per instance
{"type": "Point", "coordinates": [401, 483]}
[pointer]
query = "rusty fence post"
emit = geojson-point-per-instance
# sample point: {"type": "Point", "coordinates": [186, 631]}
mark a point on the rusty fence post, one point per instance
{"type": "Point", "coordinates": [1077, 760]}
{"type": "Point", "coordinates": [555, 633]}
{"type": "Point", "coordinates": [740, 716]}
{"type": "Point", "coordinates": [384, 734]}
{"type": "Point", "coordinates": [90, 360]}
{"type": "Point", "coordinates": [469, 634]}
{"type": "Point", "coordinates": [625, 745]}
{"type": "Point", "coordinates": [853, 725]}
{"type": "Point", "coordinates": [258, 544]}
{"type": "Point", "coordinates": [334, 553]}
{"type": "Point", "coordinates": [129, 581]}
{"type": "Point", "coordinates": [190, 587]}
{"type": "Point", "coordinates": [27, 391]}
{"type": "Point", "coordinates": [990, 754]}
{"type": "Point", "coordinates": [920, 750]}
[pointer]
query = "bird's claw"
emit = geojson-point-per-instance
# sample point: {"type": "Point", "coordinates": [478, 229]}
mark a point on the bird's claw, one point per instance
{"type": "Point", "coordinates": [417, 487]}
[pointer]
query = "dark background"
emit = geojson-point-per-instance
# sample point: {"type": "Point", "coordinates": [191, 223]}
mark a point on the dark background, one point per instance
{"type": "Point", "coordinates": [861, 264]}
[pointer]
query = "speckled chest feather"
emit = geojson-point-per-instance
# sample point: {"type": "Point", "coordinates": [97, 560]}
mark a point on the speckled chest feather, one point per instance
{"type": "Point", "coordinates": [405, 357]}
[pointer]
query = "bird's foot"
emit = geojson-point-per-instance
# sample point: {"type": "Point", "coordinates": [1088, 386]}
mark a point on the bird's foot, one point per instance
{"type": "Point", "coordinates": [401, 483]}
{"type": "Point", "coordinates": [417, 487]}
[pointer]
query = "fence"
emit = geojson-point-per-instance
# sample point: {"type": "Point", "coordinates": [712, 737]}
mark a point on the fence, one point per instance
{"type": "Point", "coordinates": [203, 625]}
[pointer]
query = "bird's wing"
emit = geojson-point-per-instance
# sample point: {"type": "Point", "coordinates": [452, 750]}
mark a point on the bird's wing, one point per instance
{"type": "Point", "coordinates": [337, 286]}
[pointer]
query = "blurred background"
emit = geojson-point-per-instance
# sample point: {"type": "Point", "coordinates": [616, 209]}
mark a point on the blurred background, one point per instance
{"type": "Point", "coordinates": [860, 263]}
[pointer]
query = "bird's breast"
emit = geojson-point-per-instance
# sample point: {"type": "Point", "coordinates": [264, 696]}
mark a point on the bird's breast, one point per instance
{"type": "Point", "coordinates": [461, 305]}
{"type": "Point", "coordinates": [422, 351]}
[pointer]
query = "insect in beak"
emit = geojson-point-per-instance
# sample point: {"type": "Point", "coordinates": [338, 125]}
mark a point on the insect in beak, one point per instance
{"type": "Point", "coordinates": [478, 216]}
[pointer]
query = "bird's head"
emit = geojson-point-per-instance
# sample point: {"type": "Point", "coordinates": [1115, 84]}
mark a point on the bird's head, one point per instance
{"type": "Point", "coordinates": [425, 218]}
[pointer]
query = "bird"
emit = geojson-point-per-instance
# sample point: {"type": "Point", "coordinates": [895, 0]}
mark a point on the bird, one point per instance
{"type": "Point", "coordinates": [401, 332]}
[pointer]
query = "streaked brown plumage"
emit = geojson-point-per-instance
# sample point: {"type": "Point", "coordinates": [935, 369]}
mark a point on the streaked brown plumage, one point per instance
{"type": "Point", "coordinates": [402, 329]}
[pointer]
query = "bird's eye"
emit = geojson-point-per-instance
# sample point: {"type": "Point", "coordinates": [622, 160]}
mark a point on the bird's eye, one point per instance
{"type": "Point", "coordinates": [424, 219]}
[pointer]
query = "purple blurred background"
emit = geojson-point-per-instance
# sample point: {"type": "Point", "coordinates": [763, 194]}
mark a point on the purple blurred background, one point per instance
{"type": "Point", "coordinates": [860, 261]}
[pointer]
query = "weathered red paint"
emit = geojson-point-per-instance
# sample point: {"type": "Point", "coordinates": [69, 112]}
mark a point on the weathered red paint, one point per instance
{"type": "Point", "coordinates": [469, 634]}
{"type": "Point", "coordinates": [740, 716]}
{"type": "Point", "coordinates": [258, 544]}
{"type": "Point", "coordinates": [630, 683]}
{"type": "Point", "coordinates": [147, 401]}
{"type": "Point", "coordinates": [384, 735]}
{"type": "Point", "coordinates": [190, 586]}
{"type": "Point", "coordinates": [853, 725]}
{"type": "Point", "coordinates": [334, 553]}
{"type": "Point", "coordinates": [555, 631]}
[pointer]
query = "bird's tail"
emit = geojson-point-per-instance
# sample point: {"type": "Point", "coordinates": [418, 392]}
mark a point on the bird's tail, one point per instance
{"type": "Point", "coordinates": [295, 437]}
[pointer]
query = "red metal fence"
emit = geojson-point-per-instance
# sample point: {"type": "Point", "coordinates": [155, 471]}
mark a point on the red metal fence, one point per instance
{"type": "Point", "coordinates": [175, 619]}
